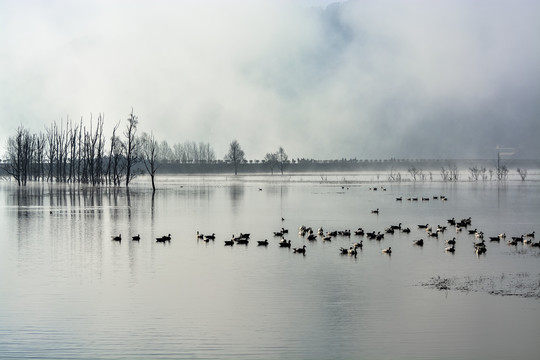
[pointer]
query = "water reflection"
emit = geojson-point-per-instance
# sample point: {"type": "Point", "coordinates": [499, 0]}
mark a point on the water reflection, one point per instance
{"type": "Point", "coordinates": [236, 193]}
{"type": "Point", "coordinates": [62, 196]}
{"type": "Point", "coordinates": [59, 265]}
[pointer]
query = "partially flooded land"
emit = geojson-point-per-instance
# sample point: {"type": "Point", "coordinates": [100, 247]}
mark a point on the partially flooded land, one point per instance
{"type": "Point", "coordinates": [75, 284]}
{"type": "Point", "coordinates": [525, 285]}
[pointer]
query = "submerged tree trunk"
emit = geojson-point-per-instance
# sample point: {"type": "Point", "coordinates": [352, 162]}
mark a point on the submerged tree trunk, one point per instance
{"type": "Point", "coordinates": [150, 155]}
{"type": "Point", "coordinates": [131, 146]}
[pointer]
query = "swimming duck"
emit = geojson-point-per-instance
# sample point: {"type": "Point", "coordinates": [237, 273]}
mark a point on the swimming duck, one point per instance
{"type": "Point", "coordinates": [242, 240]}
{"type": "Point", "coordinates": [164, 238]}
{"type": "Point", "coordinates": [396, 227]}
{"type": "Point", "coordinates": [312, 237]}
{"type": "Point", "coordinates": [481, 244]}
{"type": "Point", "coordinates": [286, 244]}
{"type": "Point", "coordinates": [419, 242]}
{"type": "Point", "coordinates": [357, 245]}
{"type": "Point", "coordinates": [480, 250]}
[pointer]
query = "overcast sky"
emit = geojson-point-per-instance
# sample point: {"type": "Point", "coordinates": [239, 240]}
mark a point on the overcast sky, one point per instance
{"type": "Point", "coordinates": [352, 79]}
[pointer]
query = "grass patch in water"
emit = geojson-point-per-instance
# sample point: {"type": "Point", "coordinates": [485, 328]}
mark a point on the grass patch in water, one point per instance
{"type": "Point", "coordinates": [520, 284]}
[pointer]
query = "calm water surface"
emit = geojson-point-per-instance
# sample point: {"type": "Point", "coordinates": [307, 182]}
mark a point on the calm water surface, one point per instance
{"type": "Point", "coordinates": [67, 291]}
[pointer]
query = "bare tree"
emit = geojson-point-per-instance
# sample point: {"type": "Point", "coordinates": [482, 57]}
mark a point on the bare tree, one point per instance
{"type": "Point", "coordinates": [93, 153]}
{"type": "Point", "coordinates": [192, 151]}
{"type": "Point", "coordinates": [283, 158]}
{"type": "Point", "coordinates": [99, 152]}
{"type": "Point", "coordinates": [61, 145]}
{"type": "Point", "coordinates": [483, 174]}
{"type": "Point", "coordinates": [394, 176]}
{"type": "Point", "coordinates": [73, 146]}
{"type": "Point", "coordinates": [271, 160]}
{"type": "Point", "coordinates": [235, 155]}
{"type": "Point", "coordinates": [150, 155]}
{"type": "Point", "coordinates": [179, 153]}
{"type": "Point", "coordinates": [445, 174]}
{"type": "Point", "coordinates": [80, 152]}
{"type": "Point", "coordinates": [131, 146]}
{"type": "Point", "coordinates": [23, 160]}
{"type": "Point", "coordinates": [165, 152]}
{"type": "Point", "coordinates": [206, 153]}
{"type": "Point", "coordinates": [454, 173]}
{"type": "Point", "coordinates": [39, 166]}
{"type": "Point", "coordinates": [115, 153]}
{"type": "Point", "coordinates": [475, 173]}
{"type": "Point", "coordinates": [522, 173]}
{"type": "Point", "coordinates": [15, 155]}
{"type": "Point", "coordinates": [450, 173]}
{"type": "Point", "coordinates": [502, 172]}
{"type": "Point", "coordinates": [415, 172]}
{"type": "Point", "coordinates": [51, 149]}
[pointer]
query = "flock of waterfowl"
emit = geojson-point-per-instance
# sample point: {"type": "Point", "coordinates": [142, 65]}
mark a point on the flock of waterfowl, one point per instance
{"type": "Point", "coordinates": [162, 239]}
{"type": "Point", "coordinates": [304, 232]}
{"type": "Point", "coordinates": [308, 233]}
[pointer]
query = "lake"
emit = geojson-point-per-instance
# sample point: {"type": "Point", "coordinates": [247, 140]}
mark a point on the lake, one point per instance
{"type": "Point", "coordinates": [68, 291]}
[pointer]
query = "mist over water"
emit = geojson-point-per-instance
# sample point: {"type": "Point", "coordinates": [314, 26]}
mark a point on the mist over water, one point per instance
{"type": "Point", "coordinates": [324, 80]}
{"type": "Point", "coordinates": [353, 79]}
{"type": "Point", "coordinates": [68, 290]}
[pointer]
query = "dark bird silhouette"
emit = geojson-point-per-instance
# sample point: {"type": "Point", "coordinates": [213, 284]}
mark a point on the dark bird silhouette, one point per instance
{"type": "Point", "coordinates": [301, 250]}
{"type": "Point", "coordinates": [164, 238]}
{"type": "Point", "coordinates": [285, 243]}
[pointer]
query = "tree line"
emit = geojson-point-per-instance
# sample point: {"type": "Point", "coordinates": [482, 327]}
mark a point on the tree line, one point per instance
{"type": "Point", "coordinates": [451, 174]}
{"type": "Point", "coordinates": [72, 152]}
